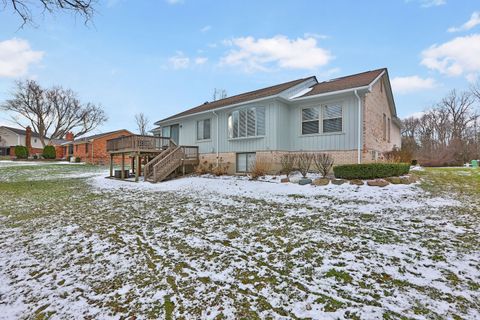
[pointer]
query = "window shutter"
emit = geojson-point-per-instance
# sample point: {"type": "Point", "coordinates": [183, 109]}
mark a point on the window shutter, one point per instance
{"type": "Point", "coordinates": [206, 129]}
{"type": "Point", "coordinates": [260, 121]}
{"type": "Point", "coordinates": [242, 130]}
{"type": "Point", "coordinates": [251, 122]}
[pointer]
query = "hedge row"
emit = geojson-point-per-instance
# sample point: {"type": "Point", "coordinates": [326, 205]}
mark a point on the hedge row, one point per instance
{"type": "Point", "coordinates": [49, 152]}
{"type": "Point", "coordinates": [21, 152]}
{"type": "Point", "coordinates": [371, 170]}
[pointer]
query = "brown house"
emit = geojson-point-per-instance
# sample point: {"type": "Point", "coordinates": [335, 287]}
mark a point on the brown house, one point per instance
{"type": "Point", "coordinates": [91, 149]}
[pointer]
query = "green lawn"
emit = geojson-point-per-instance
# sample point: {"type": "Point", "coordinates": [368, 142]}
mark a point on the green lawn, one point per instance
{"type": "Point", "coordinates": [76, 245]}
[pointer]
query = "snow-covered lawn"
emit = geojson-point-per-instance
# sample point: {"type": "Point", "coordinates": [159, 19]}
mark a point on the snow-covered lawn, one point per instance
{"type": "Point", "coordinates": [74, 244]}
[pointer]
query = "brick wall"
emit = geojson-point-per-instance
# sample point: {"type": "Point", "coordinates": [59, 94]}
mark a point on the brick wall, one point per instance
{"type": "Point", "coordinates": [376, 107]}
{"type": "Point", "coordinates": [273, 159]}
{"type": "Point", "coordinates": [96, 152]}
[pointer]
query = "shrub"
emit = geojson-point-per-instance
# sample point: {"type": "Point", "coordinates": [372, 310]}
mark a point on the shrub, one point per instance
{"type": "Point", "coordinates": [21, 152]}
{"type": "Point", "coordinates": [203, 168]}
{"type": "Point", "coordinates": [287, 162]}
{"type": "Point", "coordinates": [49, 152]}
{"type": "Point", "coordinates": [323, 162]}
{"type": "Point", "coordinates": [304, 161]}
{"type": "Point", "coordinates": [259, 169]}
{"type": "Point", "coordinates": [397, 155]}
{"type": "Point", "coordinates": [77, 159]}
{"type": "Point", "coordinates": [371, 170]}
{"type": "Point", "coordinates": [221, 169]}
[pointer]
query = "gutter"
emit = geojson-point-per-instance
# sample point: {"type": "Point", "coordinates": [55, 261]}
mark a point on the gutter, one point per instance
{"type": "Point", "coordinates": [218, 136]}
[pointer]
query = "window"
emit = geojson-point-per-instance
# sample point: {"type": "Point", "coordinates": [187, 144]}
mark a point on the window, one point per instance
{"type": "Point", "coordinates": [331, 115]}
{"type": "Point", "coordinates": [332, 118]}
{"type": "Point", "coordinates": [166, 131]}
{"type": "Point", "coordinates": [249, 122]}
{"type": "Point", "coordinates": [203, 129]}
{"type": "Point", "coordinates": [86, 147]}
{"type": "Point", "coordinates": [384, 126]}
{"type": "Point", "coordinates": [310, 121]}
{"type": "Point", "coordinates": [245, 161]}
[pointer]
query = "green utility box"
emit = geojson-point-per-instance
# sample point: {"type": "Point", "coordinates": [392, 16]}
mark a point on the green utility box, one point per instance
{"type": "Point", "coordinates": [474, 163]}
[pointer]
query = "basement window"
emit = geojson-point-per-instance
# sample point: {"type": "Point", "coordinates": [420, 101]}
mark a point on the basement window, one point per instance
{"type": "Point", "coordinates": [245, 162]}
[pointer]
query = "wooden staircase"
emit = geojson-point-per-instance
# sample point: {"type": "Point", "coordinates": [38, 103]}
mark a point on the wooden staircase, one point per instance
{"type": "Point", "coordinates": [169, 160]}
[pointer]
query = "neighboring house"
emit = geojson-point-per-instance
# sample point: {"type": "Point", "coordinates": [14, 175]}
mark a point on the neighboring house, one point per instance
{"type": "Point", "coordinates": [91, 149]}
{"type": "Point", "coordinates": [11, 137]}
{"type": "Point", "coordinates": [353, 118]}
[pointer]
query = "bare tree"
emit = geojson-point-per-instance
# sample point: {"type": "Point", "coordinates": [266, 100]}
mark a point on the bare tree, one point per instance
{"type": "Point", "coordinates": [219, 94]}
{"type": "Point", "coordinates": [142, 123]}
{"type": "Point", "coordinates": [24, 8]}
{"type": "Point", "coordinates": [304, 161]}
{"type": "Point", "coordinates": [287, 162]}
{"type": "Point", "coordinates": [323, 162]}
{"type": "Point", "coordinates": [52, 112]}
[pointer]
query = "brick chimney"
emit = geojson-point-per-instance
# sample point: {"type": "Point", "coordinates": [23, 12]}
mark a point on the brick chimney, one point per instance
{"type": "Point", "coordinates": [28, 138]}
{"type": "Point", "coordinates": [69, 136]}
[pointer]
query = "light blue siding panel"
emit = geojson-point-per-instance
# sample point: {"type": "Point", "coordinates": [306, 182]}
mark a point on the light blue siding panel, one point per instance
{"type": "Point", "coordinates": [282, 128]}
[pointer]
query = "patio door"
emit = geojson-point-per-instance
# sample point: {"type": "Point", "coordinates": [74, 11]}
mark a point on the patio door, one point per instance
{"type": "Point", "coordinates": [175, 133]}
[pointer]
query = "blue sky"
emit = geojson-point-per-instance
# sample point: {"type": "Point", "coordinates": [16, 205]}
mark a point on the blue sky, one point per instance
{"type": "Point", "coordinates": [162, 57]}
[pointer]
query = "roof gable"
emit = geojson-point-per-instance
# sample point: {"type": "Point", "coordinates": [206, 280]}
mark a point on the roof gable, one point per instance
{"type": "Point", "coordinates": [344, 83]}
{"type": "Point", "coordinates": [100, 135]}
{"type": "Point", "coordinates": [22, 132]}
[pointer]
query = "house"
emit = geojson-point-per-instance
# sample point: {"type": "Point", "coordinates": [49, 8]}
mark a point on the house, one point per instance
{"type": "Point", "coordinates": [353, 118]}
{"type": "Point", "coordinates": [11, 137]}
{"type": "Point", "coordinates": [91, 149]}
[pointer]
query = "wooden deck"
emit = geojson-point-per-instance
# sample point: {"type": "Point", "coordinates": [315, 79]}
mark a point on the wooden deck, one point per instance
{"type": "Point", "coordinates": [161, 155]}
{"type": "Point", "coordinates": [138, 143]}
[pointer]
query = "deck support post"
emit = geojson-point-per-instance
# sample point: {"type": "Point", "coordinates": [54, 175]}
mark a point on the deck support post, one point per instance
{"type": "Point", "coordinates": [132, 164]}
{"type": "Point", "coordinates": [123, 167]}
{"type": "Point", "coordinates": [137, 171]}
{"type": "Point", "coordinates": [111, 165]}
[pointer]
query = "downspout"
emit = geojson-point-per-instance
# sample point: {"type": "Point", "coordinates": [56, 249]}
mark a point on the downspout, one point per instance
{"type": "Point", "coordinates": [359, 146]}
{"type": "Point", "coordinates": [218, 154]}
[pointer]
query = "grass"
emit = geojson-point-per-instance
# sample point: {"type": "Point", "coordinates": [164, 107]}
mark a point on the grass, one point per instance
{"type": "Point", "coordinates": [68, 249]}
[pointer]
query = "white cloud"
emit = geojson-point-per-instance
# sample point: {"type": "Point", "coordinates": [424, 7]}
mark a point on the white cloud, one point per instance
{"type": "Point", "coordinates": [412, 83]}
{"type": "Point", "coordinates": [456, 57]}
{"type": "Point", "coordinates": [261, 54]}
{"type": "Point", "coordinates": [315, 35]}
{"type": "Point", "coordinates": [16, 56]}
{"type": "Point", "coordinates": [201, 60]}
{"type": "Point", "coordinates": [179, 61]}
{"type": "Point", "coordinates": [432, 3]}
{"type": "Point", "coordinates": [471, 23]}
{"type": "Point", "coordinates": [429, 3]}
{"type": "Point", "coordinates": [206, 29]}
{"type": "Point", "coordinates": [417, 115]}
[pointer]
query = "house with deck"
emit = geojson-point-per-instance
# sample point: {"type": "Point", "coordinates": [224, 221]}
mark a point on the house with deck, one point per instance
{"type": "Point", "coordinates": [91, 149]}
{"type": "Point", "coordinates": [352, 118]}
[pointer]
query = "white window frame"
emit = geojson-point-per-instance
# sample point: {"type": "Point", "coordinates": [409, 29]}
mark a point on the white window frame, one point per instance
{"type": "Point", "coordinates": [323, 118]}
{"type": "Point", "coordinates": [230, 117]}
{"type": "Point", "coordinates": [202, 121]}
{"type": "Point", "coordinates": [318, 120]}
{"type": "Point", "coordinates": [319, 108]}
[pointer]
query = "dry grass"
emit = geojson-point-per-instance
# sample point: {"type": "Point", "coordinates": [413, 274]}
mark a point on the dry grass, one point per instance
{"type": "Point", "coordinates": [259, 169]}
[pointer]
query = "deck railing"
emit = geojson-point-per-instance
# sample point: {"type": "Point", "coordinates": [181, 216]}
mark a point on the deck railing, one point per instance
{"type": "Point", "coordinates": [190, 152]}
{"type": "Point", "coordinates": [137, 143]}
